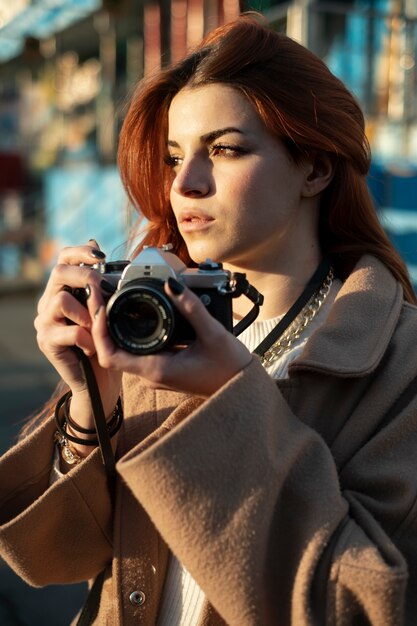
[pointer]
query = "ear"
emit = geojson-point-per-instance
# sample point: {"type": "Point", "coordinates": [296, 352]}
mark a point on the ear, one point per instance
{"type": "Point", "coordinates": [319, 173]}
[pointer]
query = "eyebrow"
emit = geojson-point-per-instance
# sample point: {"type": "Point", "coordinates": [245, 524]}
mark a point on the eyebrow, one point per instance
{"type": "Point", "coordinates": [212, 136]}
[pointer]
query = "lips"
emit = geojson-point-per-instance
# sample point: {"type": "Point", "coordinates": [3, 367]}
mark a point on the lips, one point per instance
{"type": "Point", "coordinates": [194, 217]}
{"type": "Point", "coordinates": [194, 221]}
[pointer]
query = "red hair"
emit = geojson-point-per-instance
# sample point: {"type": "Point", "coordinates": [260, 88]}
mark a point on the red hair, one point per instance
{"type": "Point", "coordinates": [299, 100]}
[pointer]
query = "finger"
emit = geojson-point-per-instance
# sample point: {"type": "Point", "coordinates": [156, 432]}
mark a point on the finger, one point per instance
{"type": "Point", "coordinates": [107, 353]}
{"type": "Point", "coordinates": [65, 308]}
{"type": "Point", "coordinates": [68, 277]}
{"type": "Point", "coordinates": [207, 328]}
{"type": "Point", "coordinates": [95, 298]}
{"type": "Point", "coordinates": [88, 254]}
{"type": "Point", "coordinates": [54, 340]}
{"type": "Point", "coordinates": [154, 370]}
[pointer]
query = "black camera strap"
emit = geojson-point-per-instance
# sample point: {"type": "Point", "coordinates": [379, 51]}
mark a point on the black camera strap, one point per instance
{"type": "Point", "coordinates": [311, 288]}
{"type": "Point", "coordinates": [243, 287]}
{"type": "Point", "coordinates": [92, 603]}
{"type": "Point", "coordinates": [99, 419]}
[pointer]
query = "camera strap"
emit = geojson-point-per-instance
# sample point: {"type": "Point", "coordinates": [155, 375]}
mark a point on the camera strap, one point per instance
{"type": "Point", "coordinates": [243, 287]}
{"type": "Point", "coordinates": [100, 424]}
{"type": "Point", "coordinates": [312, 286]}
{"type": "Point", "coordinates": [92, 602]}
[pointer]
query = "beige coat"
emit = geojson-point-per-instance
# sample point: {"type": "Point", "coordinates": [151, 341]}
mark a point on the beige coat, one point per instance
{"type": "Point", "coordinates": [290, 502]}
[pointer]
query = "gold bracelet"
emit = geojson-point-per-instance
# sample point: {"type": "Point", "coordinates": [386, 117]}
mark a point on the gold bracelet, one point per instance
{"type": "Point", "coordinates": [68, 452]}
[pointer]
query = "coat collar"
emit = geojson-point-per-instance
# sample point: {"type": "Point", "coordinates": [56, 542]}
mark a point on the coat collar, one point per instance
{"type": "Point", "coordinates": [359, 326]}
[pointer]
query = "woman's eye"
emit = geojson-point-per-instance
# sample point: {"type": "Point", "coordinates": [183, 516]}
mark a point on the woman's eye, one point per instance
{"type": "Point", "coordinates": [226, 150]}
{"type": "Point", "coordinates": [172, 160]}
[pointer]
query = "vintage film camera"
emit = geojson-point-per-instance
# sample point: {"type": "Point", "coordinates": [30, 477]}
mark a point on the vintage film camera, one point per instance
{"type": "Point", "coordinates": [142, 319]}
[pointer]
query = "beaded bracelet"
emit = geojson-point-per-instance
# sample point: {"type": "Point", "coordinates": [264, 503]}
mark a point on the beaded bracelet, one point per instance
{"type": "Point", "coordinates": [61, 423]}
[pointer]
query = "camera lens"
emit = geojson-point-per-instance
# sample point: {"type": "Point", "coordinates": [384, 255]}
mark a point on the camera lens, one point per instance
{"type": "Point", "coordinates": [140, 319]}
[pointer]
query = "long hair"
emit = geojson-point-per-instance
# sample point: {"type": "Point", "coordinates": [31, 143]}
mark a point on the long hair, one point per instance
{"type": "Point", "coordinates": [299, 100]}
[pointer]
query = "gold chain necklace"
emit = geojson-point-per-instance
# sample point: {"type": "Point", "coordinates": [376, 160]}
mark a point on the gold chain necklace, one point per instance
{"type": "Point", "coordinates": [303, 319]}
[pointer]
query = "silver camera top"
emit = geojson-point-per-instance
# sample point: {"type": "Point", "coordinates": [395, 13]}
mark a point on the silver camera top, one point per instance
{"type": "Point", "coordinates": [160, 263]}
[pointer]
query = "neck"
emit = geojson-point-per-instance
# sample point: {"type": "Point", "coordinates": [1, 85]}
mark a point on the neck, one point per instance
{"type": "Point", "coordinates": [280, 287]}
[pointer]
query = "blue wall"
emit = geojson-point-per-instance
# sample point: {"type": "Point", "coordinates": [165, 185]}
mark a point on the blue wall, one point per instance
{"type": "Point", "coordinates": [395, 194]}
{"type": "Point", "coordinates": [84, 202]}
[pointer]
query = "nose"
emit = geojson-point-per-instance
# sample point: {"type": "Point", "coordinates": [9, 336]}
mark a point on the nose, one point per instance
{"type": "Point", "coordinates": [193, 179]}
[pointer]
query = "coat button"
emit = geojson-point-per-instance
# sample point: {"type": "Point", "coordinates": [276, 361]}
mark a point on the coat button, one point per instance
{"type": "Point", "coordinates": [137, 598]}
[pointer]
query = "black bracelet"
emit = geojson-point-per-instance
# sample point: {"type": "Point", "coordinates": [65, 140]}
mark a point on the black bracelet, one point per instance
{"type": "Point", "coordinates": [61, 423]}
{"type": "Point", "coordinates": [88, 431]}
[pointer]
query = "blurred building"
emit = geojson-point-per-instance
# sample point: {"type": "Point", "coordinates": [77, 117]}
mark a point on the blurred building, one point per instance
{"type": "Point", "coordinates": [66, 67]}
{"type": "Point", "coordinates": [372, 46]}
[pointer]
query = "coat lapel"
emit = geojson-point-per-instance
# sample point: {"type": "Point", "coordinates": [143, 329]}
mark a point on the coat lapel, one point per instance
{"type": "Point", "coordinates": [348, 344]}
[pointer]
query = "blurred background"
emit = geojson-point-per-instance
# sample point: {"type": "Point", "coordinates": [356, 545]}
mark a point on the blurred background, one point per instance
{"type": "Point", "coordinates": [66, 70]}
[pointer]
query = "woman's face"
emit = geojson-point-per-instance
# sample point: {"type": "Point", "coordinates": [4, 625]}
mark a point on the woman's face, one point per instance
{"type": "Point", "coordinates": [237, 196]}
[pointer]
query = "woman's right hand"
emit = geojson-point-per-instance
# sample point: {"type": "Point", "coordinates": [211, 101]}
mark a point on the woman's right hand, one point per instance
{"type": "Point", "coordinates": [63, 322]}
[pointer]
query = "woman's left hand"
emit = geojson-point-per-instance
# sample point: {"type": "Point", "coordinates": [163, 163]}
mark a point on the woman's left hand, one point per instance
{"type": "Point", "coordinates": [199, 369]}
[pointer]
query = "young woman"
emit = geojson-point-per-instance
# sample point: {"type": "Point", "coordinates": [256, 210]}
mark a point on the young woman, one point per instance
{"type": "Point", "coordinates": [252, 489]}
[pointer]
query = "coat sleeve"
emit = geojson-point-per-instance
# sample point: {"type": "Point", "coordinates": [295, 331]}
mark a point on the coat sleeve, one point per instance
{"type": "Point", "coordinates": [248, 498]}
{"type": "Point", "coordinates": [53, 534]}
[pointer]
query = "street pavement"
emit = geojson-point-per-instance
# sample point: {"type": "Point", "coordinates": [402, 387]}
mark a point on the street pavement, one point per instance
{"type": "Point", "coordinates": [26, 381]}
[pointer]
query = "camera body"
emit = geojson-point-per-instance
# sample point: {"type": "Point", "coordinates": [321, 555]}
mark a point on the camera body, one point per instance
{"type": "Point", "coordinates": [141, 317]}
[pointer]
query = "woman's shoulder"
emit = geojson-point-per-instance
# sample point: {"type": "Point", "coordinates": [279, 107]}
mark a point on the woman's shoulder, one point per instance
{"type": "Point", "coordinates": [410, 309]}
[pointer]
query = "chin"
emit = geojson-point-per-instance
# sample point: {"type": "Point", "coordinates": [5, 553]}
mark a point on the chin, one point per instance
{"type": "Point", "coordinates": [199, 254]}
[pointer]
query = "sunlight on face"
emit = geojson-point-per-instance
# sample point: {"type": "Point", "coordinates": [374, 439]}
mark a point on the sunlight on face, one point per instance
{"type": "Point", "coordinates": [237, 195]}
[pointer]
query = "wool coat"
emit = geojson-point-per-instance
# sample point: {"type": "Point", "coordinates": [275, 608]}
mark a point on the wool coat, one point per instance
{"type": "Point", "coordinates": [291, 502]}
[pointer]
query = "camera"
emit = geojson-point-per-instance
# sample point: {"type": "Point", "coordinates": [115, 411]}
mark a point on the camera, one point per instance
{"type": "Point", "coordinates": [141, 317]}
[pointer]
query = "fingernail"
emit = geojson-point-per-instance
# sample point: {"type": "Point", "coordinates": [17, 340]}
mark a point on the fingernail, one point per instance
{"type": "Point", "coordinates": [176, 287]}
{"type": "Point", "coordinates": [98, 311]}
{"type": "Point", "coordinates": [106, 286]}
{"type": "Point", "coordinates": [98, 254]}
{"type": "Point", "coordinates": [87, 290]}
